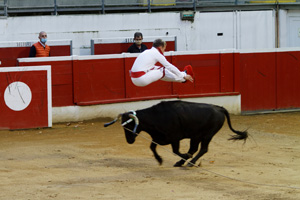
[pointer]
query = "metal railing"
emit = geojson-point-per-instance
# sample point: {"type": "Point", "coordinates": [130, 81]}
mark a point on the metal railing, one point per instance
{"type": "Point", "coordinates": [55, 7]}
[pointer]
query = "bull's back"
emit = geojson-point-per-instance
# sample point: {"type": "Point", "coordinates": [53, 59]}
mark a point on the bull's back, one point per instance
{"type": "Point", "coordinates": [184, 116]}
{"type": "Point", "coordinates": [200, 115]}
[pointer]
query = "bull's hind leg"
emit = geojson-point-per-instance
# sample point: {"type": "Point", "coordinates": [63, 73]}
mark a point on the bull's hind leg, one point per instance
{"type": "Point", "coordinates": [175, 147]}
{"type": "Point", "coordinates": [194, 144]}
{"type": "Point", "coordinates": [203, 150]}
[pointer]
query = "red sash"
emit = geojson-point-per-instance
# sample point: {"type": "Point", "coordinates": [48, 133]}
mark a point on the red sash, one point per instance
{"type": "Point", "coordinates": [136, 74]}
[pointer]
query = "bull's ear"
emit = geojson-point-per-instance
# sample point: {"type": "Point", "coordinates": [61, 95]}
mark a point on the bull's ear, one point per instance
{"type": "Point", "coordinates": [112, 122]}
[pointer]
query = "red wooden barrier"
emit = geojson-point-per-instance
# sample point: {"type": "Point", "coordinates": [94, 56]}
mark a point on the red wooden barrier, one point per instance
{"type": "Point", "coordinates": [270, 80]}
{"type": "Point", "coordinates": [99, 80]}
{"type": "Point", "coordinates": [266, 80]}
{"type": "Point", "coordinates": [227, 72]}
{"type": "Point", "coordinates": [116, 48]}
{"type": "Point", "coordinates": [105, 79]}
{"type": "Point", "coordinates": [207, 73]}
{"type": "Point", "coordinates": [62, 77]}
{"type": "Point", "coordinates": [11, 51]}
{"type": "Point", "coordinates": [258, 81]}
{"type": "Point", "coordinates": [288, 79]}
{"type": "Point", "coordinates": [87, 80]}
{"type": "Point", "coordinates": [119, 45]}
{"type": "Point", "coordinates": [26, 101]}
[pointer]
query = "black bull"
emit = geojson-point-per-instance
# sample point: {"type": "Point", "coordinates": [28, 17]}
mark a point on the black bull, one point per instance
{"type": "Point", "coordinates": [171, 121]}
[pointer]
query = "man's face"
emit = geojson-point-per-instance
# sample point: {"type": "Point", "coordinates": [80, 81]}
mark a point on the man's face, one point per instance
{"type": "Point", "coordinates": [138, 40]}
{"type": "Point", "coordinates": [43, 35]}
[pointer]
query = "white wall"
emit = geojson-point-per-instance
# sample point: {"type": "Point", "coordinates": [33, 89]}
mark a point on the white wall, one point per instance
{"type": "Point", "coordinates": [256, 30]}
{"type": "Point", "coordinates": [289, 34]}
{"type": "Point", "coordinates": [244, 29]}
{"type": "Point", "coordinates": [79, 113]}
{"type": "Point", "coordinates": [208, 25]}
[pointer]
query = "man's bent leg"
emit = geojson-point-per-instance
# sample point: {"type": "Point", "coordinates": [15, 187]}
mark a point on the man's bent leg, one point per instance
{"type": "Point", "coordinates": [171, 77]}
{"type": "Point", "coordinates": [148, 78]}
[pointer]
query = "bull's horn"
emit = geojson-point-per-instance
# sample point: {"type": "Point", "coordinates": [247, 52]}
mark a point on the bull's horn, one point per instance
{"type": "Point", "coordinates": [136, 121]}
{"type": "Point", "coordinates": [112, 122]}
{"type": "Point", "coordinates": [134, 117]}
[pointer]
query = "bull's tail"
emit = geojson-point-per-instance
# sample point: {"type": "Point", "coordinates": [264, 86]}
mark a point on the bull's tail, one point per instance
{"type": "Point", "coordinates": [240, 135]}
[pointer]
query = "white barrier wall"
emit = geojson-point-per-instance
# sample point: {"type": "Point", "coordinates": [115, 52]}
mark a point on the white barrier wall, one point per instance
{"type": "Point", "coordinates": [215, 30]}
{"type": "Point", "coordinates": [80, 113]}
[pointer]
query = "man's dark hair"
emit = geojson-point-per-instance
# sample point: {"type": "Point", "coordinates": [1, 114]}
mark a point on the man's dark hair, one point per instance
{"type": "Point", "coordinates": [159, 43]}
{"type": "Point", "coordinates": [138, 34]}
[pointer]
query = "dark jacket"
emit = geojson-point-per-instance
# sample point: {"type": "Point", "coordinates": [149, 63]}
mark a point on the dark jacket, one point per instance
{"type": "Point", "coordinates": [134, 49]}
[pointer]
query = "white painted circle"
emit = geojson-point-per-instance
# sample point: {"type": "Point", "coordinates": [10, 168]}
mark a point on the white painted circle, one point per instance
{"type": "Point", "coordinates": [17, 96]}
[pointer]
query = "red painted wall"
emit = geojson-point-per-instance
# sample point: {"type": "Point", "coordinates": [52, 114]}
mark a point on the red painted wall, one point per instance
{"type": "Point", "coordinates": [36, 114]}
{"type": "Point", "coordinates": [9, 55]}
{"type": "Point", "coordinates": [227, 71]}
{"type": "Point", "coordinates": [62, 81]}
{"type": "Point", "coordinates": [106, 80]}
{"type": "Point", "coordinates": [288, 79]}
{"type": "Point", "coordinates": [207, 73]}
{"type": "Point", "coordinates": [258, 81]}
{"type": "Point", "coordinates": [98, 81]}
{"type": "Point", "coordinates": [266, 80]}
{"type": "Point", "coordinates": [270, 80]}
{"type": "Point", "coordinates": [116, 48]}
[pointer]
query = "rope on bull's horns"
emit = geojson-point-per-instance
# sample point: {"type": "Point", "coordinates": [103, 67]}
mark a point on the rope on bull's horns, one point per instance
{"type": "Point", "coordinates": [218, 174]}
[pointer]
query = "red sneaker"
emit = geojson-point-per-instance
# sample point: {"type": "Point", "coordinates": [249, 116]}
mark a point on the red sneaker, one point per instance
{"type": "Point", "coordinates": [189, 70]}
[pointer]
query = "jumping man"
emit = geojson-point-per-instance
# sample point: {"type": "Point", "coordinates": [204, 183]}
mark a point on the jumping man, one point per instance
{"type": "Point", "coordinates": [144, 71]}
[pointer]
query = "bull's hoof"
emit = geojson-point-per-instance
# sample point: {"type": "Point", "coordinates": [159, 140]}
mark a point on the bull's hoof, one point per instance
{"type": "Point", "coordinates": [160, 161]}
{"type": "Point", "coordinates": [178, 164]}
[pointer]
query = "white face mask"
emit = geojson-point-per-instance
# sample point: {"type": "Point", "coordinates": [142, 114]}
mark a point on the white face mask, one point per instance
{"type": "Point", "coordinates": [138, 42]}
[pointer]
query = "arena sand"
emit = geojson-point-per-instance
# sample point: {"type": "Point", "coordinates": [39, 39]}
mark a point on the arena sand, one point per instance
{"type": "Point", "coordinates": [84, 160]}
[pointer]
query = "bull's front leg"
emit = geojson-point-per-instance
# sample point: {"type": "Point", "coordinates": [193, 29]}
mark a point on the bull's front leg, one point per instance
{"type": "Point", "coordinates": [175, 147]}
{"type": "Point", "coordinates": [157, 157]}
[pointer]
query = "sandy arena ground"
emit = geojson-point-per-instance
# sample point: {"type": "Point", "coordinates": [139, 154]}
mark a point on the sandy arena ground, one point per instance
{"type": "Point", "coordinates": [87, 161]}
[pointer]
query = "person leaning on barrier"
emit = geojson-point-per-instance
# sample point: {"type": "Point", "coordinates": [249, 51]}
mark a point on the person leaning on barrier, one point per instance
{"type": "Point", "coordinates": [137, 46]}
{"type": "Point", "coordinates": [40, 49]}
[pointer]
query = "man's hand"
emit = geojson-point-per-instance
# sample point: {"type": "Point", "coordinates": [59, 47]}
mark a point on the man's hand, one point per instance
{"type": "Point", "coordinates": [189, 78]}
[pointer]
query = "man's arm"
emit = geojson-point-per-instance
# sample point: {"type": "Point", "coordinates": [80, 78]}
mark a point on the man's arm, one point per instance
{"type": "Point", "coordinates": [174, 69]}
{"type": "Point", "coordinates": [32, 51]}
{"type": "Point", "coordinates": [162, 60]}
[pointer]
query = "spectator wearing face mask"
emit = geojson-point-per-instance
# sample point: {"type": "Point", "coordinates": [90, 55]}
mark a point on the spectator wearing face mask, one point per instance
{"type": "Point", "coordinates": [137, 46]}
{"type": "Point", "coordinates": [40, 49]}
